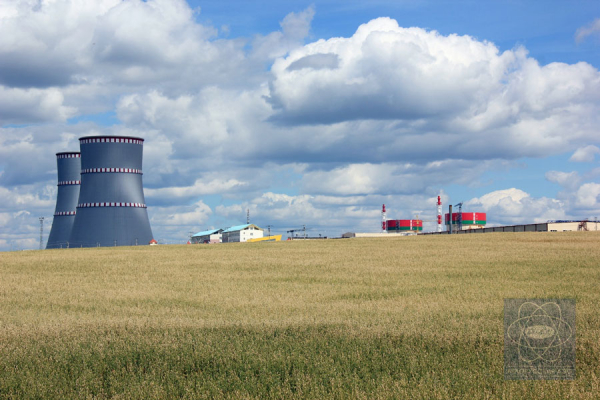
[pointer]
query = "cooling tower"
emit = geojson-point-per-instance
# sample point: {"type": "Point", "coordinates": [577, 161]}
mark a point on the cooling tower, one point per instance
{"type": "Point", "coordinates": [111, 209]}
{"type": "Point", "coordinates": [68, 166]}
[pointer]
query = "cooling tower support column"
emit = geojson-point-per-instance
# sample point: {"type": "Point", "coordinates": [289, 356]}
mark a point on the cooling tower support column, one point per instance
{"type": "Point", "coordinates": [111, 210]}
{"type": "Point", "coordinates": [69, 168]}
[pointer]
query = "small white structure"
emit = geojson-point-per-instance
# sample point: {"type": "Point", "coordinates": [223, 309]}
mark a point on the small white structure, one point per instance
{"type": "Point", "coordinates": [241, 233]}
{"type": "Point", "coordinates": [212, 236]}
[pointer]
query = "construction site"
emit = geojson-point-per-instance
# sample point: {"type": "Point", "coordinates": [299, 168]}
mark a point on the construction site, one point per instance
{"type": "Point", "coordinates": [461, 222]}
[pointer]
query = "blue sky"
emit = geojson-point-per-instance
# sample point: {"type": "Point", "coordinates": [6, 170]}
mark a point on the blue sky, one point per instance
{"type": "Point", "coordinates": [547, 31]}
{"type": "Point", "coordinates": [306, 113]}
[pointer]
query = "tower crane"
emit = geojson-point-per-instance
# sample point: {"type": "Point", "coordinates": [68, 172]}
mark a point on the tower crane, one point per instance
{"type": "Point", "coordinates": [291, 231]}
{"type": "Point", "coordinates": [459, 219]}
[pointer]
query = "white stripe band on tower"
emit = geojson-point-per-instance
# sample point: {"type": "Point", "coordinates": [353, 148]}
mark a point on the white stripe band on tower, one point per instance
{"type": "Point", "coordinates": [111, 140]}
{"type": "Point", "coordinates": [64, 213]}
{"type": "Point", "coordinates": [111, 170]}
{"type": "Point", "coordinates": [73, 155]}
{"type": "Point", "coordinates": [111, 204]}
{"type": "Point", "coordinates": [62, 183]}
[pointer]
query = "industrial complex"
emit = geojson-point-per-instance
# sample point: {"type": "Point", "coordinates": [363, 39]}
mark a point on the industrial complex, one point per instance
{"type": "Point", "coordinates": [100, 200]}
{"type": "Point", "coordinates": [465, 222]}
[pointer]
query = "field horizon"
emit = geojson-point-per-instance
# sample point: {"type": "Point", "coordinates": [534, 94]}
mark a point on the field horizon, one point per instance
{"type": "Point", "coordinates": [407, 317]}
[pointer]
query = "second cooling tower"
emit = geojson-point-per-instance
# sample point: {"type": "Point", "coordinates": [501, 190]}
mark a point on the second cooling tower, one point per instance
{"type": "Point", "coordinates": [68, 167]}
{"type": "Point", "coordinates": [111, 209]}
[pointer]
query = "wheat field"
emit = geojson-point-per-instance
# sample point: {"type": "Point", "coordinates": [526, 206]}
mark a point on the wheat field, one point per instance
{"type": "Point", "coordinates": [408, 317]}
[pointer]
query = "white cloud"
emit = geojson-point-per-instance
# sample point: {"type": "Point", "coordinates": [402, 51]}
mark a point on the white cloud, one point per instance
{"type": "Point", "coordinates": [510, 198]}
{"type": "Point", "coordinates": [585, 154]}
{"type": "Point", "coordinates": [20, 208]}
{"type": "Point", "coordinates": [568, 180]}
{"type": "Point", "coordinates": [453, 89]}
{"type": "Point", "coordinates": [514, 206]}
{"type": "Point", "coordinates": [27, 198]}
{"type": "Point", "coordinates": [199, 188]}
{"type": "Point", "coordinates": [27, 154]}
{"type": "Point", "coordinates": [90, 52]}
{"type": "Point", "coordinates": [395, 178]}
{"type": "Point", "coordinates": [294, 28]}
{"type": "Point", "coordinates": [180, 217]}
{"type": "Point", "coordinates": [588, 196]}
{"type": "Point", "coordinates": [387, 72]}
{"type": "Point", "coordinates": [32, 105]}
{"type": "Point", "coordinates": [593, 28]}
{"type": "Point", "coordinates": [213, 123]}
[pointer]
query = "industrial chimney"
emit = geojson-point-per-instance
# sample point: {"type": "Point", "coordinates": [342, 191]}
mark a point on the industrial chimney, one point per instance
{"type": "Point", "coordinates": [69, 167]}
{"type": "Point", "coordinates": [111, 210]}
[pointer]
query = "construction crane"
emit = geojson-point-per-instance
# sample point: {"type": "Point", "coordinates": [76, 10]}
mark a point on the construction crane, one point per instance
{"type": "Point", "coordinates": [459, 219]}
{"type": "Point", "coordinates": [303, 229]}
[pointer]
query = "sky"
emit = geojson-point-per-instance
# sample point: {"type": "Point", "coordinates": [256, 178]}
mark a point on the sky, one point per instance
{"type": "Point", "coordinates": [306, 113]}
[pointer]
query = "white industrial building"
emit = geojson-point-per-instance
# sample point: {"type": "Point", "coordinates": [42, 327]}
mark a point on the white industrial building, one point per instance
{"type": "Point", "coordinates": [241, 233]}
{"type": "Point", "coordinates": [210, 236]}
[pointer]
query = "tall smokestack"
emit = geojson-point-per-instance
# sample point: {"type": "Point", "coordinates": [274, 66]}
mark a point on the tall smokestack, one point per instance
{"type": "Point", "coordinates": [69, 167]}
{"type": "Point", "coordinates": [439, 214]}
{"type": "Point", "coordinates": [111, 210]}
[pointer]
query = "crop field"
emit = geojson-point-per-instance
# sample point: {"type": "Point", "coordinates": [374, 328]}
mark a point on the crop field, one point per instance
{"type": "Point", "coordinates": [408, 317]}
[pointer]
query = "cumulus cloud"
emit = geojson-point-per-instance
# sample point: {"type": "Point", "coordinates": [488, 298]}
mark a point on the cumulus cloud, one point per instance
{"type": "Point", "coordinates": [94, 51]}
{"type": "Point", "coordinates": [514, 206]}
{"type": "Point", "coordinates": [199, 188]}
{"type": "Point", "coordinates": [386, 72]}
{"type": "Point", "coordinates": [593, 28]}
{"type": "Point", "coordinates": [568, 180]}
{"type": "Point", "coordinates": [121, 41]}
{"type": "Point", "coordinates": [24, 198]}
{"type": "Point", "coordinates": [588, 196]}
{"type": "Point", "coordinates": [204, 125]}
{"type": "Point", "coordinates": [394, 178]}
{"type": "Point", "coordinates": [173, 224]}
{"type": "Point", "coordinates": [580, 192]}
{"type": "Point", "coordinates": [19, 230]}
{"type": "Point", "coordinates": [194, 214]}
{"type": "Point", "coordinates": [32, 105]}
{"type": "Point", "coordinates": [316, 61]}
{"type": "Point", "coordinates": [20, 208]}
{"type": "Point", "coordinates": [460, 90]}
{"type": "Point", "coordinates": [585, 154]}
{"type": "Point", "coordinates": [294, 28]}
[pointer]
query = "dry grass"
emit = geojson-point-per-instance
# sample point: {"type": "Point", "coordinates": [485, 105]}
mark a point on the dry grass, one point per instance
{"type": "Point", "coordinates": [417, 317]}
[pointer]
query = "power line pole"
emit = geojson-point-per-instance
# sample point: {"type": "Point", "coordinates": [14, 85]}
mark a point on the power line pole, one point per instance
{"type": "Point", "coordinates": [248, 216]}
{"type": "Point", "coordinates": [41, 232]}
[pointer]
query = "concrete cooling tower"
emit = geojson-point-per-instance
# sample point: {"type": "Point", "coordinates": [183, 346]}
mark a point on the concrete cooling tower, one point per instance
{"type": "Point", "coordinates": [111, 209]}
{"type": "Point", "coordinates": [69, 167]}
